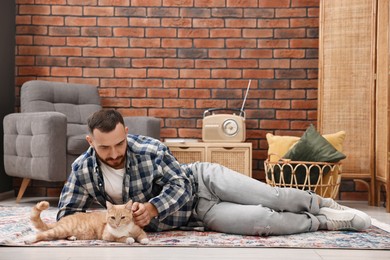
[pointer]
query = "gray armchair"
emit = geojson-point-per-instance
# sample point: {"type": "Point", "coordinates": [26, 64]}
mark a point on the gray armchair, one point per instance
{"type": "Point", "coordinates": [43, 140]}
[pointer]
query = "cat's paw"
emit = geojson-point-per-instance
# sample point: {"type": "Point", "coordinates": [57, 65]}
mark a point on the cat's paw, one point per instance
{"type": "Point", "coordinates": [28, 240]}
{"type": "Point", "coordinates": [130, 240]}
{"type": "Point", "coordinates": [72, 238]}
{"type": "Point", "coordinates": [144, 241]}
{"type": "Point", "coordinates": [43, 205]}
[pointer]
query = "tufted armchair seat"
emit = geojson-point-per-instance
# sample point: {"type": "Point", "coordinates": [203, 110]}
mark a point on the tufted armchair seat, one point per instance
{"type": "Point", "coordinates": [43, 140]}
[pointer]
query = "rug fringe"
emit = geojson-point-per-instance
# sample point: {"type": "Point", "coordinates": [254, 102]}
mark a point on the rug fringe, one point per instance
{"type": "Point", "coordinates": [381, 225]}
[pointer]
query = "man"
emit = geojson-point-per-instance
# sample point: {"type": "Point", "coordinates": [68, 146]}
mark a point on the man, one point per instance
{"type": "Point", "coordinates": [118, 167]}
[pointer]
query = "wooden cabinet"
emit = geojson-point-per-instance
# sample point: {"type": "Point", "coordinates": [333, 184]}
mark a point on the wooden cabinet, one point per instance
{"type": "Point", "coordinates": [353, 86]}
{"type": "Point", "coordinates": [236, 156]}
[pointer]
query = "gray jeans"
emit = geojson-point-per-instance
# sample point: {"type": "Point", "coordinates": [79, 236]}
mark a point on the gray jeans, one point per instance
{"type": "Point", "coordinates": [231, 202]}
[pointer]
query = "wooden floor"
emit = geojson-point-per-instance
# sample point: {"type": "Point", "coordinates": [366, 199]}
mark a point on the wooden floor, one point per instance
{"type": "Point", "coordinates": [162, 253]}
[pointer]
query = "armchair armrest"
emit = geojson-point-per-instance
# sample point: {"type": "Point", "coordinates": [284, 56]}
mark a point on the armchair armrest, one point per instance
{"type": "Point", "coordinates": [35, 145]}
{"type": "Point", "coordinates": [143, 125]}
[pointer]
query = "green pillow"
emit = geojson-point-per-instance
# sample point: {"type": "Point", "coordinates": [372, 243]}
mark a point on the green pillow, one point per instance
{"type": "Point", "coordinates": [312, 147]}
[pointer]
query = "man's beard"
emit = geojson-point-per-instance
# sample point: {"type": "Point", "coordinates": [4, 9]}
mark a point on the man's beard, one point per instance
{"type": "Point", "coordinates": [114, 163]}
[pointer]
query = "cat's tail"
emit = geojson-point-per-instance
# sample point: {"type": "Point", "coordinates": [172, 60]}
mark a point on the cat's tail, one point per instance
{"type": "Point", "coordinates": [36, 216]}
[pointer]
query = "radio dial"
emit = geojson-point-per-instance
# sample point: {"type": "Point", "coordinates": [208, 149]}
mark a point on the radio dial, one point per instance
{"type": "Point", "coordinates": [230, 127]}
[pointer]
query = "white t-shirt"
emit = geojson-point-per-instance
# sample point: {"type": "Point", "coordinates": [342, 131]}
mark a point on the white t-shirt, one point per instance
{"type": "Point", "coordinates": [113, 180]}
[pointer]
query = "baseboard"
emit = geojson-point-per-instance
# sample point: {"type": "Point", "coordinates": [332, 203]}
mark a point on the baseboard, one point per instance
{"type": "Point", "coordinates": [7, 195]}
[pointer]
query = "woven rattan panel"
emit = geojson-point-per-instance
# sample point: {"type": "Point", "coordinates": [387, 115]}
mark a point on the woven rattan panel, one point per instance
{"type": "Point", "coordinates": [346, 80]}
{"type": "Point", "coordinates": [188, 156]}
{"type": "Point", "coordinates": [234, 160]}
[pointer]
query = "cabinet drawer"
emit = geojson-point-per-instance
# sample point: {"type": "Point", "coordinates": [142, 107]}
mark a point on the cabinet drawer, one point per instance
{"type": "Point", "coordinates": [237, 159]}
{"type": "Point", "coordinates": [185, 154]}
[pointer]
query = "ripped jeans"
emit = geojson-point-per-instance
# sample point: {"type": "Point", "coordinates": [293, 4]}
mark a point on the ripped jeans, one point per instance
{"type": "Point", "coordinates": [230, 202]}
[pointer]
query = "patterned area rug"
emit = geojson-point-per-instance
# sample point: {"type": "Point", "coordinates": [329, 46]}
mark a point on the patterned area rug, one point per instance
{"type": "Point", "coordinates": [15, 226]}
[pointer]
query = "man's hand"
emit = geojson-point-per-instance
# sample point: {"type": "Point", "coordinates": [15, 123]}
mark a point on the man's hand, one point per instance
{"type": "Point", "coordinates": [143, 213]}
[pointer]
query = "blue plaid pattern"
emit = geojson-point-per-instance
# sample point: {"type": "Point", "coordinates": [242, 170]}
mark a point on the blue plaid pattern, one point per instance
{"type": "Point", "coordinates": [152, 175]}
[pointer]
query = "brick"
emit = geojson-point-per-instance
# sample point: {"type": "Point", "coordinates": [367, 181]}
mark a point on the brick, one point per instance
{"type": "Point", "coordinates": [163, 93]}
{"type": "Point", "coordinates": [48, 20]}
{"type": "Point", "coordinates": [164, 112]}
{"type": "Point", "coordinates": [161, 53]}
{"type": "Point", "coordinates": [273, 23]}
{"type": "Point", "coordinates": [190, 133]}
{"type": "Point", "coordinates": [114, 62]}
{"type": "Point", "coordinates": [209, 3]}
{"type": "Point", "coordinates": [33, 50]}
{"type": "Point", "coordinates": [81, 41]}
{"type": "Point", "coordinates": [192, 33]}
{"type": "Point", "coordinates": [274, 124]}
{"type": "Point", "coordinates": [226, 93]}
{"type": "Point", "coordinates": [83, 62]}
{"type": "Point", "coordinates": [209, 83]}
{"type": "Point", "coordinates": [133, 111]}
{"type": "Point", "coordinates": [146, 102]}
{"type": "Point", "coordinates": [289, 53]}
{"type": "Point", "coordinates": [118, 83]}
{"type": "Point", "coordinates": [145, 43]}
{"type": "Point", "coordinates": [98, 72]}
{"type": "Point", "coordinates": [107, 92]}
{"type": "Point", "coordinates": [304, 22]}
{"type": "Point", "coordinates": [25, 60]}
{"type": "Point", "coordinates": [304, 84]}
{"type": "Point", "coordinates": [163, 73]}
{"type": "Point", "coordinates": [50, 61]}
{"type": "Point", "coordinates": [209, 43]}
{"type": "Point", "coordinates": [80, 21]}
{"type": "Point", "coordinates": [96, 31]}
{"type": "Point", "coordinates": [34, 9]}
{"type": "Point", "coordinates": [192, 53]}
{"type": "Point", "coordinates": [290, 33]}
{"type": "Point", "coordinates": [130, 11]}
{"type": "Point", "coordinates": [110, 21]}
{"type": "Point", "coordinates": [130, 73]}
{"type": "Point", "coordinates": [227, 12]}
{"type": "Point", "coordinates": [113, 42]}
{"type": "Point", "coordinates": [85, 2]}
{"type": "Point", "coordinates": [258, 74]}
{"type": "Point", "coordinates": [160, 32]}
{"type": "Point", "coordinates": [242, 63]}
{"type": "Point", "coordinates": [115, 102]}
{"type": "Point", "coordinates": [273, 44]}
{"type": "Point", "coordinates": [290, 94]}
{"type": "Point", "coordinates": [304, 43]}
{"type": "Point", "coordinates": [290, 12]}
{"type": "Point", "coordinates": [114, 2]}
{"type": "Point", "coordinates": [57, 71]}
{"type": "Point", "coordinates": [210, 63]}
{"type": "Point", "coordinates": [226, 73]}
{"type": "Point", "coordinates": [180, 3]}
{"type": "Point", "coordinates": [145, 3]}
{"type": "Point", "coordinates": [33, 71]}
{"type": "Point", "coordinates": [130, 92]}
{"type": "Point", "coordinates": [178, 123]}
{"type": "Point", "coordinates": [176, 43]}
{"type": "Point", "coordinates": [257, 33]}
{"type": "Point", "coordinates": [203, 103]}
{"type": "Point", "coordinates": [273, 3]}
{"type": "Point", "coordinates": [194, 73]}
{"type": "Point", "coordinates": [64, 31]}
{"type": "Point", "coordinates": [176, 22]}
{"type": "Point", "coordinates": [31, 29]}
{"type": "Point", "coordinates": [240, 23]}
{"type": "Point", "coordinates": [49, 40]}
{"type": "Point", "coordinates": [23, 19]}
{"type": "Point", "coordinates": [147, 83]}
{"type": "Point", "coordinates": [290, 114]}
{"type": "Point", "coordinates": [256, 53]}
{"type": "Point", "coordinates": [306, 63]}
{"type": "Point", "coordinates": [98, 11]}
{"type": "Point", "coordinates": [246, 3]}
{"type": "Point", "coordinates": [195, 12]}
{"type": "Point", "coordinates": [98, 52]}
{"type": "Point", "coordinates": [241, 43]}
{"type": "Point", "coordinates": [224, 53]}
{"type": "Point", "coordinates": [126, 52]}
{"type": "Point", "coordinates": [208, 23]}
{"type": "Point", "coordinates": [274, 64]}
{"type": "Point", "coordinates": [144, 22]}
{"type": "Point", "coordinates": [225, 33]}
{"type": "Point", "coordinates": [179, 63]}
{"type": "Point", "coordinates": [303, 104]}
{"type": "Point", "coordinates": [291, 74]}
{"type": "Point", "coordinates": [149, 63]}
{"type": "Point", "coordinates": [65, 51]}
{"type": "Point", "coordinates": [191, 93]}
{"type": "Point", "coordinates": [304, 3]}
{"type": "Point", "coordinates": [67, 10]}
{"type": "Point", "coordinates": [179, 83]}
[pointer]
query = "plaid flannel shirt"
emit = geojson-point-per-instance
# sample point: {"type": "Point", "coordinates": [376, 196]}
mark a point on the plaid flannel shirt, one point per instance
{"type": "Point", "coordinates": [152, 175]}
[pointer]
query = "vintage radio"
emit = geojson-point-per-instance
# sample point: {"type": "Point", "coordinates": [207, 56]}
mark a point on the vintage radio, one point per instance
{"type": "Point", "coordinates": [220, 128]}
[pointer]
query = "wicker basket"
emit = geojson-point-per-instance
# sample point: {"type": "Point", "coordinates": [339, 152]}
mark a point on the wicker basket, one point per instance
{"type": "Point", "coordinates": [321, 177]}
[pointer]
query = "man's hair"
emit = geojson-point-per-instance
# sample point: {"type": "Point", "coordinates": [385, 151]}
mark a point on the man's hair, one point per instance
{"type": "Point", "coordinates": [104, 120]}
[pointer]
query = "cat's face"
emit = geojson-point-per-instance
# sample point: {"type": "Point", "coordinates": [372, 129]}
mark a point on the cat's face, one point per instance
{"type": "Point", "coordinates": [119, 215]}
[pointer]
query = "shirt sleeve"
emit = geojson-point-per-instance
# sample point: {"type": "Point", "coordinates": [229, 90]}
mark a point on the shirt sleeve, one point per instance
{"type": "Point", "coordinates": [176, 186]}
{"type": "Point", "coordinates": [74, 198]}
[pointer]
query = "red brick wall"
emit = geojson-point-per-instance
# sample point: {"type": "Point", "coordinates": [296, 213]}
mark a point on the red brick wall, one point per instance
{"type": "Point", "coordinates": [173, 59]}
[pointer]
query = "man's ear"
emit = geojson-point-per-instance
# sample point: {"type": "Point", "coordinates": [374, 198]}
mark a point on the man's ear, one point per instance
{"type": "Point", "coordinates": [127, 130]}
{"type": "Point", "coordinates": [89, 139]}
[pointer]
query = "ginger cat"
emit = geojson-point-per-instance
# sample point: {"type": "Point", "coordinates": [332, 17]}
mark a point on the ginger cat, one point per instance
{"type": "Point", "coordinates": [116, 224]}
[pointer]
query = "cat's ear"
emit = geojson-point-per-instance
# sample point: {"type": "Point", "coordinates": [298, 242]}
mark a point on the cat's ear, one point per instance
{"type": "Point", "coordinates": [108, 205]}
{"type": "Point", "coordinates": [129, 205]}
